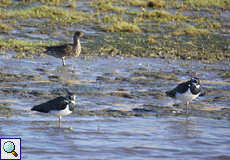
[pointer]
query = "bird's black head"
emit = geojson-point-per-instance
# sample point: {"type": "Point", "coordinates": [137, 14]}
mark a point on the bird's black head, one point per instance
{"type": "Point", "coordinates": [195, 81]}
{"type": "Point", "coordinates": [70, 96]}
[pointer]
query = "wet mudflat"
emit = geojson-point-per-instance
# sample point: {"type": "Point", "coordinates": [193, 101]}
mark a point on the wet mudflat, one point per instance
{"type": "Point", "coordinates": [136, 51]}
{"type": "Point", "coordinates": [121, 110]}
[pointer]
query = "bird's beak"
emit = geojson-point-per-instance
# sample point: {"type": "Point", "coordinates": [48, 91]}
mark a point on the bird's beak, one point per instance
{"type": "Point", "coordinates": [85, 37]}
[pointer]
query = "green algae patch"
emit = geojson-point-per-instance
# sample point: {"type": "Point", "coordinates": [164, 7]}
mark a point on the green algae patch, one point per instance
{"type": "Point", "coordinates": [224, 4]}
{"type": "Point", "coordinates": [225, 74]}
{"type": "Point", "coordinates": [4, 3]}
{"type": "Point", "coordinates": [215, 25]}
{"type": "Point", "coordinates": [73, 5]}
{"type": "Point", "coordinates": [4, 27]}
{"type": "Point", "coordinates": [213, 91]}
{"type": "Point", "coordinates": [47, 2]}
{"type": "Point", "coordinates": [105, 79]}
{"type": "Point", "coordinates": [136, 2]}
{"type": "Point", "coordinates": [153, 110]}
{"type": "Point", "coordinates": [155, 4]}
{"type": "Point", "coordinates": [110, 74]}
{"type": "Point", "coordinates": [151, 39]}
{"type": "Point", "coordinates": [125, 95]}
{"type": "Point", "coordinates": [7, 112]}
{"type": "Point", "coordinates": [108, 49]}
{"type": "Point", "coordinates": [187, 47]}
{"type": "Point", "coordinates": [158, 75]}
{"type": "Point", "coordinates": [111, 113]}
{"type": "Point", "coordinates": [34, 12]}
{"type": "Point", "coordinates": [130, 79]}
{"type": "Point", "coordinates": [187, 4]}
{"type": "Point", "coordinates": [156, 94]}
{"type": "Point", "coordinates": [53, 13]}
{"type": "Point", "coordinates": [56, 77]}
{"type": "Point", "coordinates": [191, 105]}
{"type": "Point", "coordinates": [157, 14]}
{"type": "Point", "coordinates": [104, 7]}
{"type": "Point", "coordinates": [148, 3]}
{"type": "Point", "coordinates": [22, 46]}
{"type": "Point", "coordinates": [123, 27]}
{"type": "Point", "coordinates": [5, 108]}
{"type": "Point", "coordinates": [190, 30]}
{"type": "Point", "coordinates": [7, 77]}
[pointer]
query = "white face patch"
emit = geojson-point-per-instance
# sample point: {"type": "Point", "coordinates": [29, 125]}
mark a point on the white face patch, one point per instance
{"type": "Point", "coordinates": [73, 102]}
{"type": "Point", "coordinates": [197, 85]}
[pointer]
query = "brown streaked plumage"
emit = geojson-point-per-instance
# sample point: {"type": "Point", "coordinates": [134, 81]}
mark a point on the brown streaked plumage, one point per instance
{"type": "Point", "coordinates": [67, 51]}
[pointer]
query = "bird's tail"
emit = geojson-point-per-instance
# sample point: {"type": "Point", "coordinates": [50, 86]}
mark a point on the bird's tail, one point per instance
{"type": "Point", "coordinates": [170, 93]}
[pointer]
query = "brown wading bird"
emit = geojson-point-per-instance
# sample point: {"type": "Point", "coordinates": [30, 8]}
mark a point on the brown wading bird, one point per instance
{"type": "Point", "coordinates": [67, 51]}
{"type": "Point", "coordinates": [186, 91]}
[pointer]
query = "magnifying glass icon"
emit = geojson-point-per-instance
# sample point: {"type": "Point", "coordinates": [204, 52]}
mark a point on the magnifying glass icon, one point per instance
{"type": "Point", "coordinates": [9, 147]}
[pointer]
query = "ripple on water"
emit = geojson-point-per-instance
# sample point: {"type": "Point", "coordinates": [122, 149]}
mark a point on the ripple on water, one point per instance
{"type": "Point", "coordinates": [133, 138]}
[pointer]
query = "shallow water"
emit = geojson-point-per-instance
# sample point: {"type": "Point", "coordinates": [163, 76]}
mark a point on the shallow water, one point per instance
{"type": "Point", "coordinates": [158, 134]}
{"type": "Point", "coordinates": [129, 138]}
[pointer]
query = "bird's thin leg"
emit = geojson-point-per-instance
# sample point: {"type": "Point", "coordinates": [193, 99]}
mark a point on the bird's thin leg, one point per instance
{"type": "Point", "coordinates": [59, 121]}
{"type": "Point", "coordinates": [63, 61]}
{"type": "Point", "coordinates": [187, 107]}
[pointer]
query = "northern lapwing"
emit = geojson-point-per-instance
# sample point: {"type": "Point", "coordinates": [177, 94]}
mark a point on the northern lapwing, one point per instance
{"type": "Point", "coordinates": [67, 51]}
{"type": "Point", "coordinates": [58, 107]}
{"type": "Point", "coordinates": [186, 91]}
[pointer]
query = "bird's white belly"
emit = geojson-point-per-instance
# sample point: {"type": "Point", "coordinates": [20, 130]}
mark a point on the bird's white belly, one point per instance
{"type": "Point", "coordinates": [60, 113]}
{"type": "Point", "coordinates": [187, 96]}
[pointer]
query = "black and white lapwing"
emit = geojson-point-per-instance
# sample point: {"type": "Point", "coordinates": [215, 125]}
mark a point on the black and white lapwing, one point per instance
{"type": "Point", "coordinates": [67, 51]}
{"type": "Point", "coordinates": [186, 91]}
{"type": "Point", "coordinates": [58, 107]}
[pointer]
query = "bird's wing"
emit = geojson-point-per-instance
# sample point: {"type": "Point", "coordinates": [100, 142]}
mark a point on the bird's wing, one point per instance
{"type": "Point", "coordinates": [55, 104]}
{"type": "Point", "coordinates": [68, 48]}
{"type": "Point", "coordinates": [56, 47]}
{"type": "Point", "coordinates": [181, 88]}
{"type": "Point", "coordinates": [171, 93]}
{"type": "Point", "coordinates": [62, 49]}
